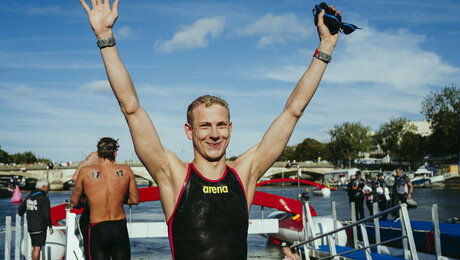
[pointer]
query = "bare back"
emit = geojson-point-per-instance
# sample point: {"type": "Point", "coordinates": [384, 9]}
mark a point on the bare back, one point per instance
{"type": "Point", "coordinates": [107, 185]}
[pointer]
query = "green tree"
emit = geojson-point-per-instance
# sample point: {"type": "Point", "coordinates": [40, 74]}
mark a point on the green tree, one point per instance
{"type": "Point", "coordinates": [347, 140]}
{"type": "Point", "coordinates": [390, 134]}
{"type": "Point", "coordinates": [413, 148]}
{"type": "Point", "coordinates": [442, 109]}
{"type": "Point", "coordinates": [310, 149]}
{"type": "Point", "coordinates": [3, 156]}
{"type": "Point", "coordinates": [288, 154]}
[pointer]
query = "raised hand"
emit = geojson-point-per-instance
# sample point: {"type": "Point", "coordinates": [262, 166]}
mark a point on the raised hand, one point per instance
{"type": "Point", "coordinates": [101, 17]}
{"type": "Point", "coordinates": [323, 32]}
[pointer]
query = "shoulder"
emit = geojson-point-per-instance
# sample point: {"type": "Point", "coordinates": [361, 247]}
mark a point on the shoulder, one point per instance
{"type": "Point", "coordinates": [85, 170]}
{"type": "Point", "coordinates": [125, 168]}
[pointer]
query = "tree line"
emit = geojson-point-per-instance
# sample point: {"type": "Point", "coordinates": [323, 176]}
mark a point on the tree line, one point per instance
{"type": "Point", "coordinates": [19, 158]}
{"type": "Point", "coordinates": [398, 137]}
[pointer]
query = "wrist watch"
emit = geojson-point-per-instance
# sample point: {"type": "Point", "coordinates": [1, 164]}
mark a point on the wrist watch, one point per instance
{"type": "Point", "coordinates": [322, 56]}
{"type": "Point", "coordinates": [107, 42]}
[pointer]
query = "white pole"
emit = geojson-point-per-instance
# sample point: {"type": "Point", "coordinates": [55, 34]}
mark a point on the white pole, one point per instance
{"type": "Point", "coordinates": [310, 224]}
{"type": "Point", "coordinates": [408, 228]}
{"type": "Point", "coordinates": [377, 228]}
{"type": "Point", "coordinates": [7, 237]}
{"type": "Point", "coordinates": [27, 243]}
{"type": "Point", "coordinates": [334, 220]}
{"type": "Point", "coordinates": [437, 232]}
{"type": "Point", "coordinates": [367, 251]}
{"type": "Point", "coordinates": [332, 249]}
{"type": "Point", "coordinates": [355, 230]}
{"type": "Point", "coordinates": [17, 241]}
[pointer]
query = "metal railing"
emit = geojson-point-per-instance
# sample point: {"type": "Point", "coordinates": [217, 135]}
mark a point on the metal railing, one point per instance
{"type": "Point", "coordinates": [410, 251]}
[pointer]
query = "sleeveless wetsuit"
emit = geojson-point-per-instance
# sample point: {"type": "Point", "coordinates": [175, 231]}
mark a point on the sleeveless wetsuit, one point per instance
{"type": "Point", "coordinates": [210, 220]}
{"type": "Point", "coordinates": [109, 239]}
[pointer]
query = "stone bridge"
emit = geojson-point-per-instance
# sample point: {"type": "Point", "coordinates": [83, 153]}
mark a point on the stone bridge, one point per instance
{"type": "Point", "coordinates": [59, 176]}
{"type": "Point", "coordinates": [279, 169]}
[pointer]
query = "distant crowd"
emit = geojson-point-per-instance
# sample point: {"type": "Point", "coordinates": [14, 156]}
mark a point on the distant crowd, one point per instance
{"type": "Point", "coordinates": [370, 190]}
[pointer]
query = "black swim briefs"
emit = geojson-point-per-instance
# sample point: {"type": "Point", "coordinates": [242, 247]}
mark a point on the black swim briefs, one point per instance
{"type": "Point", "coordinates": [109, 239]}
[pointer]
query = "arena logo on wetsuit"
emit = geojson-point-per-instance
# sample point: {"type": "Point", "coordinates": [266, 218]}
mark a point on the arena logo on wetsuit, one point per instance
{"type": "Point", "coordinates": [213, 189]}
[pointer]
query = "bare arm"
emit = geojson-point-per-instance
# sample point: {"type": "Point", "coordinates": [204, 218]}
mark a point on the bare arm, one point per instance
{"type": "Point", "coordinates": [264, 154]}
{"type": "Point", "coordinates": [145, 138]}
{"type": "Point", "coordinates": [77, 191]}
{"type": "Point", "coordinates": [133, 191]}
{"type": "Point", "coordinates": [411, 188]}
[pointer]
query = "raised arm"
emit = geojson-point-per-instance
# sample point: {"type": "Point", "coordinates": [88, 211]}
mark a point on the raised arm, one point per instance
{"type": "Point", "coordinates": [264, 154]}
{"type": "Point", "coordinates": [145, 138]}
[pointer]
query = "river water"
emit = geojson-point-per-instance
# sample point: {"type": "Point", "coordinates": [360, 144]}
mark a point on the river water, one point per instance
{"type": "Point", "coordinates": [258, 246]}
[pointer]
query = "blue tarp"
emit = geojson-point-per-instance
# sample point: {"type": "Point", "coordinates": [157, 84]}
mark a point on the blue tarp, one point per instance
{"type": "Point", "coordinates": [423, 236]}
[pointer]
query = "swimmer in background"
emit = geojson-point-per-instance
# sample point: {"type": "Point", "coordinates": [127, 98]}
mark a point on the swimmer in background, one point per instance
{"type": "Point", "coordinates": [107, 187]}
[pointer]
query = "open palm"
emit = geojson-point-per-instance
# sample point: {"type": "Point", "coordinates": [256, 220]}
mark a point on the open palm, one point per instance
{"type": "Point", "coordinates": [101, 17]}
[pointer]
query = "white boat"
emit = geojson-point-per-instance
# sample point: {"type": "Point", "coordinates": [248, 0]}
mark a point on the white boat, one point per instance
{"type": "Point", "coordinates": [424, 177]}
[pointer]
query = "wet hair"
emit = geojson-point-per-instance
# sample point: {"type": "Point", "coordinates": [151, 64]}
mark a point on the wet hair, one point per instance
{"type": "Point", "coordinates": [207, 100]}
{"type": "Point", "coordinates": [106, 148]}
{"type": "Point", "coordinates": [41, 183]}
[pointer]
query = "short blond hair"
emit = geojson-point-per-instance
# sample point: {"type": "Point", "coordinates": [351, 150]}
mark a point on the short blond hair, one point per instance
{"type": "Point", "coordinates": [207, 100]}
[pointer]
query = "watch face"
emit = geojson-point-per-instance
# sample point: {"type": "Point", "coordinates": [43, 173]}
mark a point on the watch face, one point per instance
{"type": "Point", "coordinates": [108, 42]}
{"type": "Point", "coordinates": [323, 56]}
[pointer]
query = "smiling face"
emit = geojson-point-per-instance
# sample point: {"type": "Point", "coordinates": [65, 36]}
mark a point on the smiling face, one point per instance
{"type": "Point", "coordinates": [210, 131]}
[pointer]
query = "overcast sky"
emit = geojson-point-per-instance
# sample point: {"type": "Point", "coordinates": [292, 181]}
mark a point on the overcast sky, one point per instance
{"type": "Point", "coordinates": [56, 102]}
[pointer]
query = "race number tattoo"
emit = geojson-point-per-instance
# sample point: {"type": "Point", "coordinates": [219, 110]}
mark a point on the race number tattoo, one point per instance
{"type": "Point", "coordinates": [95, 174]}
{"type": "Point", "coordinates": [119, 173]}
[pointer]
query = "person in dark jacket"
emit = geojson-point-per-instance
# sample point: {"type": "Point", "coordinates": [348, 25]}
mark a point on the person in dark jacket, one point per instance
{"type": "Point", "coordinates": [357, 187]}
{"type": "Point", "coordinates": [349, 189]}
{"type": "Point", "coordinates": [37, 206]}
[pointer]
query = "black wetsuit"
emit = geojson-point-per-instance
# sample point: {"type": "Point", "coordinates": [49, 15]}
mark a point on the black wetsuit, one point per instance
{"type": "Point", "coordinates": [109, 239]}
{"type": "Point", "coordinates": [211, 218]}
{"type": "Point", "coordinates": [37, 205]}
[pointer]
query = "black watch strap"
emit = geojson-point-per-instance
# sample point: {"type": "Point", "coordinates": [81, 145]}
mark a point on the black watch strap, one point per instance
{"type": "Point", "coordinates": [107, 42]}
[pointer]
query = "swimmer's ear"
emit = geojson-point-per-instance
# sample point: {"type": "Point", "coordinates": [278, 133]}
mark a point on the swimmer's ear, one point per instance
{"type": "Point", "coordinates": [188, 130]}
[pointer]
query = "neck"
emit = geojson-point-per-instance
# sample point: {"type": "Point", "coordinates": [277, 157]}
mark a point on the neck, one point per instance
{"type": "Point", "coordinates": [211, 170]}
{"type": "Point", "coordinates": [104, 160]}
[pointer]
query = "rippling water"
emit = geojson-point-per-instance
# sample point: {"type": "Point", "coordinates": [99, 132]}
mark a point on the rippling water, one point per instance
{"type": "Point", "coordinates": [258, 246]}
